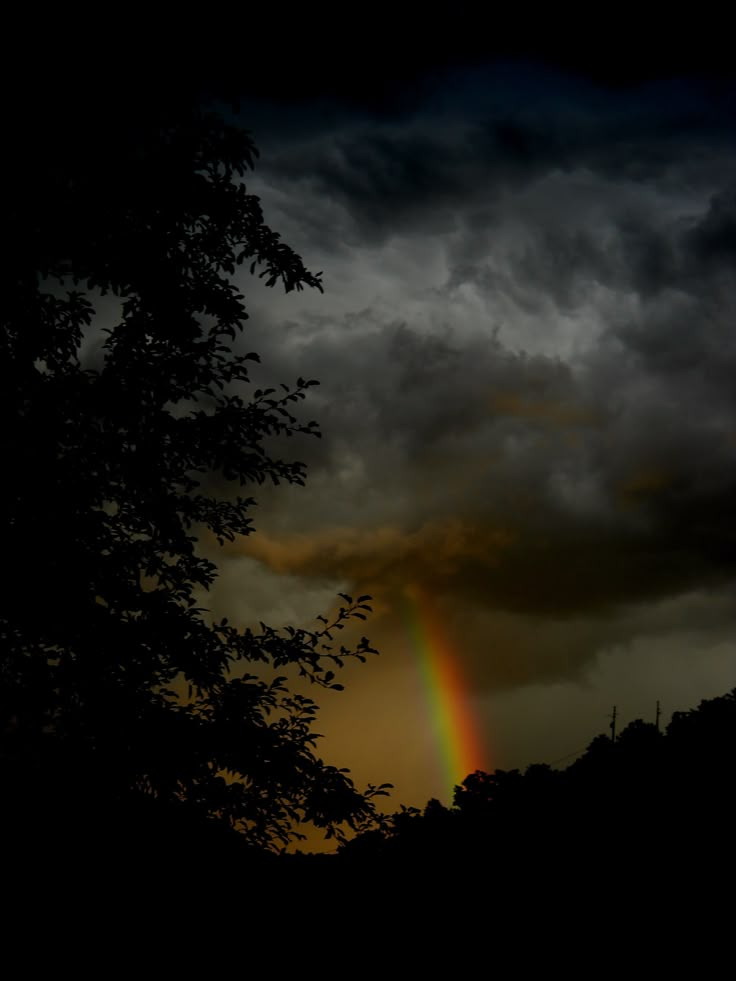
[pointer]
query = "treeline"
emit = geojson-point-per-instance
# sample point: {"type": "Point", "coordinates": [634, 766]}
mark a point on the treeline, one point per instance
{"type": "Point", "coordinates": [649, 797]}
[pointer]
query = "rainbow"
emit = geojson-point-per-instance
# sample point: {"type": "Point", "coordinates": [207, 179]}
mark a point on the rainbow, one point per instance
{"type": "Point", "coordinates": [459, 743]}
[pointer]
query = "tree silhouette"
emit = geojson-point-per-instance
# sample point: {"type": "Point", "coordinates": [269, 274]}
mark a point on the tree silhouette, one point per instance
{"type": "Point", "coordinates": [118, 694]}
{"type": "Point", "coordinates": [650, 803]}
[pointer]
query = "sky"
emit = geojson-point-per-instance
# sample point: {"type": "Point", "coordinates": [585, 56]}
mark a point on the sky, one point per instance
{"type": "Point", "coordinates": [526, 353]}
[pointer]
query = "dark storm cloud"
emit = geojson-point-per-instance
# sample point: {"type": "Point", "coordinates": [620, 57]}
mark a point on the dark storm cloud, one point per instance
{"type": "Point", "coordinates": [527, 349]}
{"type": "Point", "coordinates": [482, 133]}
{"type": "Point", "coordinates": [714, 238]}
{"type": "Point", "coordinates": [497, 472]}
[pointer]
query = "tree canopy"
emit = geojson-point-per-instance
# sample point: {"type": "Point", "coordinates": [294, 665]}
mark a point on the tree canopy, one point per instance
{"type": "Point", "coordinates": [117, 688]}
{"type": "Point", "coordinates": [646, 797]}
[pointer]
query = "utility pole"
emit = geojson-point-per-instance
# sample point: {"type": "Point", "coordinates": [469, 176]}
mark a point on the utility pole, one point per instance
{"type": "Point", "coordinates": [656, 720]}
{"type": "Point", "coordinates": [613, 725]}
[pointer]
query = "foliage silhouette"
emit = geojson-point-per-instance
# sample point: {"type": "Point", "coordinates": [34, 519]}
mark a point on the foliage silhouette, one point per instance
{"type": "Point", "coordinates": [117, 692]}
{"type": "Point", "coordinates": [661, 801]}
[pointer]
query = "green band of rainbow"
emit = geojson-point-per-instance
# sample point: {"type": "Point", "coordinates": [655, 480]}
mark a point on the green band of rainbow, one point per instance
{"type": "Point", "coordinates": [459, 742]}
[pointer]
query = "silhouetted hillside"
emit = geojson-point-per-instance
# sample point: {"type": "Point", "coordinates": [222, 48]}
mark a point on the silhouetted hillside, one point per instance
{"type": "Point", "coordinates": [651, 800]}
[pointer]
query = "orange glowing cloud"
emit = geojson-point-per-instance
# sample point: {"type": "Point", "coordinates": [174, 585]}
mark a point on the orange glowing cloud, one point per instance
{"type": "Point", "coordinates": [551, 413]}
{"type": "Point", "coordinates": [384, 554]}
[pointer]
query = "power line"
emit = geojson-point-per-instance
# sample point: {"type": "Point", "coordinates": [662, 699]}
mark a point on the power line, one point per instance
{"type": "Point", "coordinates": [612, 726]}
{"type": "Point", "coordinates": [576, 752]}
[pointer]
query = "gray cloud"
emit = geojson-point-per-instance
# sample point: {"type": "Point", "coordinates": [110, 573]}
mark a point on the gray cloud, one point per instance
{"type": "Point", "coordinates": [526, 349]}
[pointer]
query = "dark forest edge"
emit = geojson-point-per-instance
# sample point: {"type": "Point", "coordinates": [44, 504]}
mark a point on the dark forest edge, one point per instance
{"type": "Point", "coordinates": [649, 793]}
{"type": "Point", "coordinates": [651, 811]}
{"type": "Point", "coordinates": [639, 829]}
